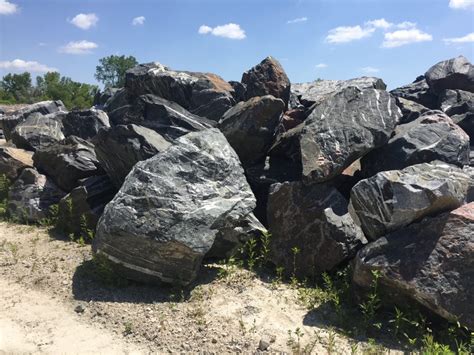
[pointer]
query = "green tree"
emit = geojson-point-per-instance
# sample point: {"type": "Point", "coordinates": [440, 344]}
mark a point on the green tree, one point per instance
{"type": "Point", "coordinates": [111, 71]}
{"type": "Point", "coordinates": [17, 87]}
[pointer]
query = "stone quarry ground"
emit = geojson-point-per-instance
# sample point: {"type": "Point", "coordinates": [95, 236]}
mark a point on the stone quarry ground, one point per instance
{"type": "Point", "coordinates": [54, 298]}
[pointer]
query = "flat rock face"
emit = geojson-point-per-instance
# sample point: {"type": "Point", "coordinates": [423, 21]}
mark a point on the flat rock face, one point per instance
{"type": "Point", "coordinates": [455, 73]}
{"type": "Point", "coordinates": [13, 161]}
{"type": "Point", "coordinates": [433, 136]}
{"type": "Point", "coordinates": [203, 94]}
{"type": "Point", "coordinates": [459, 105]}
{"type": "Point", "coordinates": [163, 116]}
{"type": "Point", "coordinates": [418, 92]}
{"type": "Point", "coordinates": [315, 220]}
{"type": "Point", "coordinates": [85, 124]}
{"type": "Point", "coordinates": [174, 207]}
{"type": "Point", "coordinates": [31, 196]}
{"type": "Point", "coordinates": [39, 131]}
{"type": "Point", "coordinates": [430, 262]}
{"type": "Point", "coordinates": [68, 161]}
{"type": "Point", "coordinates": [393, 199]}
{"type": "Point", "coordinates": [119, 148]}
{"type": "Point", "coordinates": [318, 91]}
{"type": "Point", "coordinates": [267, 78]}
{"type": "Point", "coordinates": [410, 110]}
{"type": "Point", "coordinates": [250, 127]}
{"type": "Point", "coordinates": [338, 132]}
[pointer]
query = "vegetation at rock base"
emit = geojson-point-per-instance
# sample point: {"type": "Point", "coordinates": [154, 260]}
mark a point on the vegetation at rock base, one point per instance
{"type": "Point", "coordinates": [111, 70]}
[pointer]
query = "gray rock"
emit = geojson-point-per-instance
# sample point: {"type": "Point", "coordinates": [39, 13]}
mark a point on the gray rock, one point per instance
{"type": "Point", "coordinates": [174, 207]}
{"type": "Point", "coordinates": [315, 220]}
{"type": "Point", "coordinates": [433, 136]}
{"type": "Point", "coordinates": [459, 105]}
{"type": "Point", "coordinates": [239, 90]}
{"type": "Point", "coordinates": [410, 110]}
{"type": "Point", "coordinates": [430, 262]}
{"type": "Point", "coordinates": [31, 196]}
{"type": "Point", "coordinates": [455, 73]}
{"type": "Point", "coordinates": [101, 98]}
{"type": "Point", "coordinates": [13, 161]}
{"type": "Point", "coordinates": [250, 127]}
{"type": "Point", "coordinates": [338, 132]}
{"type": "Point", "coordinates": [418, 92]}
{"type": "Point", "coordinates": [85, 124]}
{"type": "Point", "coordinates": [393, 199]}
{"type": "Point", "coordinates": [118, 149]}
{"type": "Point", "coordinates": [469, 170]}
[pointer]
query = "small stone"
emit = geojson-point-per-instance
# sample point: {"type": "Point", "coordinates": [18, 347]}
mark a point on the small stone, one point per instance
{"type": "Point", "coordinates": [214, 341]}
{"type": "Point", "coordinates": [79, 309]}
{"type": "Point", "coordinates": [265, 342]}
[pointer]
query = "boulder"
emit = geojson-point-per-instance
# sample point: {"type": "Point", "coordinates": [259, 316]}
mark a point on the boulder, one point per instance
{"type": "Point", "coordinates": [101, 97]}
{"type": "Point", "coordinates": [455, 73]}
{"type": "Point", "coordinates": [430, 262]}
{"type": "Point", "coordinates": [433, 136]}
{"type": "Point", "coordinates": [418, 92]}
{"type": "Point", "coordinates": [68, 161]}
{"type": "Point", "coordinates": [338, 132]}
{"type": "Point", "coordinates": [177, 207]}
{"type": "Point", "coordinates": [239, 90]}
{"type": "Point", "coordinates": [163, 116]}
{"type": "Point", "coordinates": [459, 105]}
{"type": "Point", "coordinates": [39, 131]}
{"type": "Point", "coordinates": [250, 127]}
{"type": "Point", "coordinates": [267, 78]}
{"type": "Point", "coordinates": [410, 110]}
{"type": "Point", "coordinates": [85, 124]}
{"type": "Point", "coordinates": [469, 170]}
{"type": "Point", "coordinates": [393, 199]}
{"type": "Point", "coordinates": [121, 98]}
{"type": "Point", "coordinates": [31, 196]}
{"type": "Point", "coordinates": [13, 161]}
{"type": "Point", "coordinates": [203, 94]}
{"type": "Point", "coordinates": [315, 220]}
{"type": "Point", "coordinates": [119, 148]}
{"type": "Point", "coordinates": [318, 91]}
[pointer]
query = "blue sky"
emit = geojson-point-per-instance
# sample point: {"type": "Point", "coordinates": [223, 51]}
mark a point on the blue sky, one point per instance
{"type": "Point", "coordinates": [330, 39]}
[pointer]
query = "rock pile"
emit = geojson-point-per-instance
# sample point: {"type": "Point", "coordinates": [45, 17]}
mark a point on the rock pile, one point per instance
{"type": "Point", "coordinates": [181, 166]}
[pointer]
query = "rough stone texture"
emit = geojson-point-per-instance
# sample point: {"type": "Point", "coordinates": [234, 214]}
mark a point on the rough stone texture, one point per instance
{"type": "Point", "coordinates": [13, 161]}
{"type": "Point", "coordinates": [174, 207]}
{"type": "Point", "coordinates": [410, 110]}
{"type": "Point", "coordinates": [339, 131]}
{"type": "Point", "coordinates": [67, 162]}
{"type": "Point", "coordinates": [419, 92]}
{"type": "Point", "coordinates": [121, 98]}
{"type": "Point", "coordinates": [239, 90]}
{"type": "Point", "coordinates": [85, 124]}
{"type": "Point", "coordinates": [431, 262]}
{"type": "Point", "coordinates": [203, 94]}
{"type": "Point", "coordinates": [433, 136]}
{"type": "Point", "coordinates": [318, 91]}
{"type": "Point", "coordinates": [250, 127]}
{"type": "Point", "coordinates": [455, 73]}
{"type": "Point", "coordinates": [9, 122]}
{"type": "Point", "coordinates": [39, 131]}
{"type": "Point", "coordinates": [31, 196]}
{"type": "Point", "coordinates": [118, 149]}
{"type": "Point", "coordinates": [459, 105]}
{"type": "Point", "coordinates": [316, 221]}
{"type": "Point", "coordinates": [469, 170]}
{"type": "Point", "coordinates": [267, 78]}
{"type": "Point", "coordinates": [101, 98]}
{"type": "Point", "coordinates": [393, 199]}
{"type": "Point", "coordinates": [163, 116]}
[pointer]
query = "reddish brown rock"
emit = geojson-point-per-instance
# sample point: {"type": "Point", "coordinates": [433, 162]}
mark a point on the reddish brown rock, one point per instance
{"type": "Point", "coordinates": [13, 161]}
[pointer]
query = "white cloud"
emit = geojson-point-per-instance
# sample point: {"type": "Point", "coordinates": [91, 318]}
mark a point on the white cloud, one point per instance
{"type": "Point", "coordinates": [230, 30]}
{"type": "Point", "coordinates": [297, 20]}
{"type": "Point", "coordinates": [370, 70]}
{"type": "Point", "coordinates": [403, 37]}
{"type": "Point", "coordinates": [461, 4]}
{"type": "Point", "coordinates": [138, 21]}
{"type": "Point", "coordinates": [23, 65]}
{"type": "Point", "coordinates": [85, 21]}
{"type": "Point", "coordinates": [465, 39]}
{"type": "Point", "coordinates": [380, 23]}
{"type": "Point", "coordinates": [8, 8]}
{"type": "Point", "coordinates": [79, 47]}
{"type": "Point", "coordinates": [321, 66]}
{"type": "Point", "coordinates": [406, 25]}
{"type": "Point", "coordinates": [345, 34]}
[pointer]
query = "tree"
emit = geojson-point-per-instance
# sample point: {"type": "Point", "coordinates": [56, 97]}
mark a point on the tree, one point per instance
{"type": "Point", "coordinates": [111, 71]}
{"type": "Point", "coordinates": [17, 87]}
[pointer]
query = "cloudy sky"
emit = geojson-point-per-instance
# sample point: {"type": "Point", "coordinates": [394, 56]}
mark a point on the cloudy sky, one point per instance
{"type": "Point", "coordinates": [331, 39]}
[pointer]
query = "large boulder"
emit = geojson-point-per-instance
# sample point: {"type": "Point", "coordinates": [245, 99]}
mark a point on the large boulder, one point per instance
{"type": "Point", "coordinates": [433, 136]}
{"type": "Point", "coordinates": [393, 199]}
{"type": "Point", "coordinates": [203, 94]}
{"type": "Point", "coordinates": [13, 161]}
{"type": "Point", "coordinates": [85, 124]}
{"type": "Point", "coordinates": [119, 148]}
{"type": "Point", "coordinates": [173, 209]}
{"type": "Point", "coordinates": [455, 73]}
{"type": "Point", "coordinates": [318, 91]}
{"type": "Point", "coordinates": [315, 220]}
{"type": "Point", "coordinates": [418, 92]}
{"type": "Point", "coordinates": [163, 116]}
{"type": "Point", "coordinates": [410, 110]}
{"type": "Point", "coordinates": [459, 105]}
{"type": "Point", "coordinates": [430, 262]}
{"type": "Point", "coordinates": [102, 97]}
{"type": "Point", "coordinates": [31, 196]}
{"type": "Point", "coordinates": [267, 78]}
{"type": "Point", "coordinates": [250, 127]}
{"type": "Point", "coordinates": [338, 132]}
{"type": "Point", "coordinates": [68, 161]}
{"type": "Point", "coordinates": [39, 131]}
